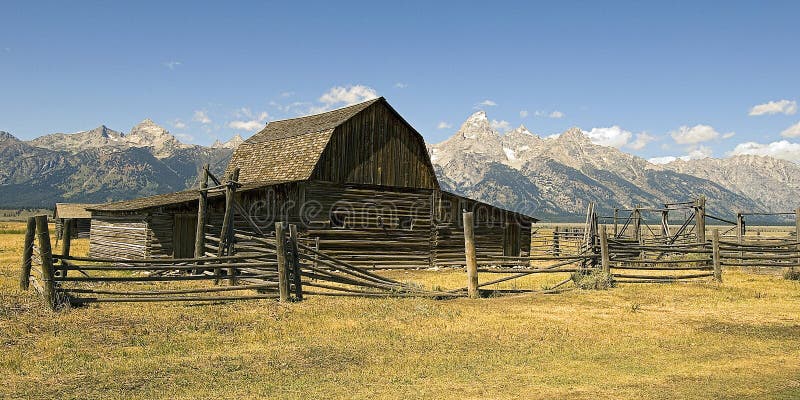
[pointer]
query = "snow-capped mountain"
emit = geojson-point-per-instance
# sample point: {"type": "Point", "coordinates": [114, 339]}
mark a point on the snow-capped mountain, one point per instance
{"type": "Point", "coordinates": [559, 174]}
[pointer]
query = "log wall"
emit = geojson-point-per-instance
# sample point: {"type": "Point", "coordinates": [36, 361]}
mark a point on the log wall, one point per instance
{"type": "Point", "coordinates": [119, 237]}
{"type": "Point", "coordinates": [497, 232]}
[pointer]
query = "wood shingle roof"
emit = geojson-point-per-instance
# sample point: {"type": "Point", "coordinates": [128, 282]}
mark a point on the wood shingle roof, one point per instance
{"type": "Point", "coordinates": [288, 150]}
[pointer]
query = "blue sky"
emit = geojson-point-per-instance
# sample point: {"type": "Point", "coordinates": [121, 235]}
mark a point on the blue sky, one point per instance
{"type": "Point", "coordinates": [684, 74]}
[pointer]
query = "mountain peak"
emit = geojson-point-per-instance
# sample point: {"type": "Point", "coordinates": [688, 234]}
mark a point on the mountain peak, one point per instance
{"type": "Point", "coordinates": [477, 126]}
{"type": "Point", "coordinates": [7, 137]}
{"type": "Point", "coordinates": [521, 130]}
{"type": "Point", "coordinates": [233, 143]}
{"type": "Point", "coordinates": [574, 134]}
{"type": "Point", "coordinates": [479, 115]}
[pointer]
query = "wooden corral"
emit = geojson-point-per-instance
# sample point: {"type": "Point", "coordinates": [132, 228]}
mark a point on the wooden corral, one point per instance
{"type": "Point", "coordinates": [357, 181]}
{"type": "Point", "coordinates": [77, 214]}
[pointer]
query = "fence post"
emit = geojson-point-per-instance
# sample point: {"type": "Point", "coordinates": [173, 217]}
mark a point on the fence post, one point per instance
{"type": "Point", "coordinates": [280, 249]}
{"type": "Point", "coordinates": [700, 218]}
{"type": "Point", "coordinates": [231, 190]}
{"type": "Point", "coordinates": [605, 262]}
{"type": "Point", "coordinates": [637, 225]}
{"type": "Point", "coordinates": [46, 253]}
{"type": "Point", "coordinates": [616, 219]}
{"type": "Point", "coordinates": [27, 253]}
{"type": "Point", "coordinates": [66, 243]}
{"type": "Point", "coordinates": [740, 234]}
{"type": "Point", "coordinates": [471, 260]}
{"type": "Point", "coordinates": [556, 244]}
{"type": "Point", "coordinates": [296, 277]}
{"type": "Point", "coordinates": [202, 204]}
{"type": "Point", "coordinates": [797, 230]}
{"type": "Point", "coordinates": [715, 256]}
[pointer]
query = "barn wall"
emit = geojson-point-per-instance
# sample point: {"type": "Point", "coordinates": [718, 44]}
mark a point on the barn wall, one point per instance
{"type": "Point", "coordinates": [497, 232]}
{"type": "Point", "coordinates": [371, 234]}
{"type": "Point", "coordinates": [381, 227]}
{"type": "Point", "coordinates": [121, 237]}
{"type": "Point", "coordinates": [376, 147]}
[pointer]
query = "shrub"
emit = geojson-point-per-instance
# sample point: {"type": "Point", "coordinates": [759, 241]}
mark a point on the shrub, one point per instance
{"type": "Point", "coordinates": [594, 280]}
{"type": "Point", "coordinates": [792, 274]}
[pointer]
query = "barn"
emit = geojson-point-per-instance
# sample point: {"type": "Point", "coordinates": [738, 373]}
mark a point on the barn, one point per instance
{"type": "Point", "coordinates": [357, 182]}
{"type": "Point", "coordinates": [78, 215]}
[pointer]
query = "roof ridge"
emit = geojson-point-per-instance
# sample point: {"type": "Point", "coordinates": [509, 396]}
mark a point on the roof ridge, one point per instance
{"type": "Point", "coordinates": [330, 111]}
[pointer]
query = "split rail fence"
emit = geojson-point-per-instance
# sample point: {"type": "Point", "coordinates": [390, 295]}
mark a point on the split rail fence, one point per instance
{"type": "Point", "coordinates": [287, 267]}
{"type": "Point", "coordinates": [282, 268]}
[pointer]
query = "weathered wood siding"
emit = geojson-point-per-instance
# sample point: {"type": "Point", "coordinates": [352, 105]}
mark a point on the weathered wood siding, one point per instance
{"type": "Point", "coordinates": [81, 227]}
{"type": "Point", "coordinates": [376, 147]}
{"type": "Point", "coordinates": [497, 232]}
{"type": "Point", "coordinates": [121, 237]}
{"type": "Point", "coordinates": [381, 227]}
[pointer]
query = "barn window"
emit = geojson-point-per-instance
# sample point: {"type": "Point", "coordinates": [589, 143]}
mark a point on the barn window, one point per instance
{"type": "Point", "coordinates": [338, 219]}
{"type": "Point", "coordinates": [406, 223]}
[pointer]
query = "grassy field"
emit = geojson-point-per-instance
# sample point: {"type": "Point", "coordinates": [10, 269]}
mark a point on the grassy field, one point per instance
{"type": "Point", "coordinates": [740, 339]}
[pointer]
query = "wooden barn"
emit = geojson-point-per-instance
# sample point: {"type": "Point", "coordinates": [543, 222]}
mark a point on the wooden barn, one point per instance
{"type": "Point", "coordinates": [79, 216]}
{"type": "Point", "coordinates": [357, 181]}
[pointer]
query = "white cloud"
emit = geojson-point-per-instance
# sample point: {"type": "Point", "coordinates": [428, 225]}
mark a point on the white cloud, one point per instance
{"type": "Point", "coordinates": [695, 153]}
{"type": "Point", "coordinates": [523, 113]}
{"type": "Point", "coordinates": [613, 136]}
{"type": "Point", "coordinates": [253, 124]}
{"type": "Point", "coordinates": [287, 94]}
{"type": "Point", "coordinates": [642, 139]}
{"type": "Point", "coordinates": [501, 126]}
{"type": "Point", "coordinates": [486, 103]}
{"type": "Point", "coordinates": [202, 117]}
{"type": "Point", "coordinates": [444, 125]}
{"type": "Point", "coordinates": [698, 153]}
{"type": "Point", "coordinates": [782, 149]}
{"type": "Point", "coordinates": [401, 85]}
{"type": "Point", "coordinates": [552, 114]}
{"type": "Point", "coordinates": [178, 124]}
{"type": "Point", "coordinates": [246, 125]}
{"type": "Point", "coordinates": [172, 64]}
{"type": "Point", "coordinates": [662, 160]}
{"type": "Point", "coordinates": [344, 96]}
{"type": "Point", "coordinates": [775, 107]}
{"type": "Point", "coordinates": [792, 131]}
{"type": "Point", "coordinates": [696, 134]}
{"type": "Point", "coordinates": [728, 135]}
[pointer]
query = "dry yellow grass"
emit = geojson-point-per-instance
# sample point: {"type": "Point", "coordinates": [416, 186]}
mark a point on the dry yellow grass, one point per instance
{"type": "Point", "coordinates": [740, 339]}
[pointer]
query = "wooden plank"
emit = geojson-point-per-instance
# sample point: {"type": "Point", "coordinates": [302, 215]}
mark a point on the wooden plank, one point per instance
{"type": "Point", "coordinates": [43, 236]}
{"type": "Point", "coordinates": [715, 256]}
{"type": "Point", "coordinates": [471, 262]}
{"type": "Point", "coordinates": [27, 254]}
{"type": "Point", "coordinates": [283, 278]}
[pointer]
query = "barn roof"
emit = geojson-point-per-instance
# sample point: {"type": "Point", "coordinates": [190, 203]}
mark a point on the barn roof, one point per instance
{"type": "Point", "coordinates": [72, 210]}
{"type": "Point", "coordinates": [159, 200]}
{"type": "Point", "coordinates": [288, 150]}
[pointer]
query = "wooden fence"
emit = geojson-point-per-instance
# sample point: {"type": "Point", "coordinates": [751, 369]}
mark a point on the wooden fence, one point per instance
{"type": "Point", "coordinates": [287, 267]}
{"type": "Point", "coordinates": [282, 267]}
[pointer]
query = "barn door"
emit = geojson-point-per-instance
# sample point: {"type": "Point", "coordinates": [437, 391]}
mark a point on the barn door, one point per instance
{"type": "Point", "coordinates": [183, 235]}
{"type": "Point", "coordinates": [511, 238]}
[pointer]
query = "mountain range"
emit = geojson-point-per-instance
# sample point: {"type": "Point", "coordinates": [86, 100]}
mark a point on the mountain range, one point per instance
{"type": "Point", "coordinates": [555, 177]}
{"type": "Point", "coordinates": [102, 165]}
{"type": "Point", "coordinates": [552, 177]}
